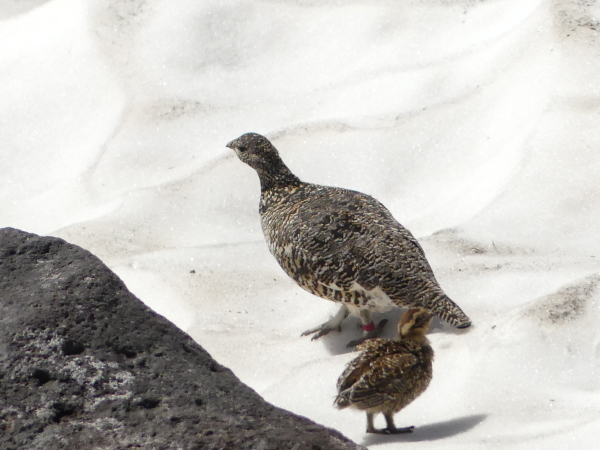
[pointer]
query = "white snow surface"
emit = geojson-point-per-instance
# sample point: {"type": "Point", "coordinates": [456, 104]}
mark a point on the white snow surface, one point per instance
{"type": "Point", "coordinates": [477, 123]}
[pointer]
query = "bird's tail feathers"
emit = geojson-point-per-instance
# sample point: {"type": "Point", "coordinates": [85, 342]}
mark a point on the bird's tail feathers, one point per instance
{"type": "Point", "coordinates": [444, 307]}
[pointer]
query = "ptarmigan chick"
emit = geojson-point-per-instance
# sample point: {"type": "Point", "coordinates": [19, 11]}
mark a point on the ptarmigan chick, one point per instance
{"type": "Point", "coordinates": [341, 245]}
{"type": "Point", "coordinates": [389, 374]}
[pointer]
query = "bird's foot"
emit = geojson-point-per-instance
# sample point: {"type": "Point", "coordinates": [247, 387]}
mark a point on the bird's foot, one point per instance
{"type": "Point", "coordinates": [321, 331]}
{"type": "Point", "coordinates": [332, 324]}
{"type": "Point", "coordinates": [370, 334]}
{"type": "Point", "coordinates": [392, 430]}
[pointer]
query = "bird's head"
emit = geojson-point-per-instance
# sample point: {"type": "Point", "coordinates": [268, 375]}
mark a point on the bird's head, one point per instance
{"type": "Point", "coordinates": [414, 324]}
{"type": "Point", "coordinates": [256, 151]}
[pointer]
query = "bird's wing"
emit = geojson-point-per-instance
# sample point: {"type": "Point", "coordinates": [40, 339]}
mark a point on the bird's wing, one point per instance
{"type": "Point", "coordinates": [385, 379]}
{"type": "Point", "coordinates": [351, 237]}
{"type": "Point", "coordinates": [371, 349]}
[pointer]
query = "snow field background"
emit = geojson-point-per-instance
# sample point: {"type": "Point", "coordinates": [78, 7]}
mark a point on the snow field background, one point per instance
{"type": "Point", "coordinates": [476, 123]}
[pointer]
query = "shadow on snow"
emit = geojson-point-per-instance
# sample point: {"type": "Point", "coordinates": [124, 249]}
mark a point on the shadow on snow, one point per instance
{"type": "Point", "coordinates": [432, 432]}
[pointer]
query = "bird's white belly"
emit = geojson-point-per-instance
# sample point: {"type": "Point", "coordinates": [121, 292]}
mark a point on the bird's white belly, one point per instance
{"type": "Point", "coordinates": [378, 300]}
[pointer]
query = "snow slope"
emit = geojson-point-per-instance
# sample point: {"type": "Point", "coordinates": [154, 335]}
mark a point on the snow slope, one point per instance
{"type": "Point", "coordinates": [476, 122]}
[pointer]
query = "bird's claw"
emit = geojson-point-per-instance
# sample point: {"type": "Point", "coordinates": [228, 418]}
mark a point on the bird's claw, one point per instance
{"type": "Point", "coordinates": [319, 332]}
{"type": "Point", "coordinates": [322, 330]}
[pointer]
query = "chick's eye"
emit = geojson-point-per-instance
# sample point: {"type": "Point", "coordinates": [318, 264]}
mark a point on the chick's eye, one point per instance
{"type": "Point", "coordinates": [242, 148]}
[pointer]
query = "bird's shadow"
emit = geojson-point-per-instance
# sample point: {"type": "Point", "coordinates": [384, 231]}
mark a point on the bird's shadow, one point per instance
{"type": "Point", "coordinates": [432, 432]}
{"type": "Point", "coordinates": [336, 343]}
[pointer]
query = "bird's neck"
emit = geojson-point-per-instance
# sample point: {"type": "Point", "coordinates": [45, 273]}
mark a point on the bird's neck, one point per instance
{"type": "Point", "coordinates": [276, 176]}
{"type": "Point", "coordinates": [419, 338]}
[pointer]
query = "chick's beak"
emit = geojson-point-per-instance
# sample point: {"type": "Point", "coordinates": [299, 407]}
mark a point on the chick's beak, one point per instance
{"type": "Point", "coordinates": [231, 144]}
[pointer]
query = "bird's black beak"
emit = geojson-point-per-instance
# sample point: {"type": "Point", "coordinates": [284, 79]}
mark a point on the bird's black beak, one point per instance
{"type": "Point", "coordinates": [231, 144]}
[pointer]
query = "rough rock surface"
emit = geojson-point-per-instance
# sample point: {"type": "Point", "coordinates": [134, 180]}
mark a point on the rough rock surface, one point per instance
{"type": "Point", "coordinates": [85, 364]}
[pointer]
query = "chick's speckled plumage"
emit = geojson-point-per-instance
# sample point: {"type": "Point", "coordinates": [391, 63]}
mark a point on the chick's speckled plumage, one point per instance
{"type": "Point", "coordinates": [389, 374]}
{"type": "Point", "coordinates": [340, 244]}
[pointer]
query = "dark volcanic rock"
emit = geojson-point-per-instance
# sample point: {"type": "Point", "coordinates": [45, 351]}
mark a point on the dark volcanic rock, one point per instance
{"type": "Point", "coordinates": [85, 364]}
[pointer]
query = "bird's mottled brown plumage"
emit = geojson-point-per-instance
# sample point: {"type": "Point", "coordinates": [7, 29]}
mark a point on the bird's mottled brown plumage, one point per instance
{"type": "Point", "coordinates": [389, 374]}
{"type": "Point", "coordinates": [341, 245]}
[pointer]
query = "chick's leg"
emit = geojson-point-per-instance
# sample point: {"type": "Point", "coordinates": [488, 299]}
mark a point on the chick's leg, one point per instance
{"type": "Point", "coordinates": [391, 427]}
{"type": "Point", "coordinates": [370, 426]}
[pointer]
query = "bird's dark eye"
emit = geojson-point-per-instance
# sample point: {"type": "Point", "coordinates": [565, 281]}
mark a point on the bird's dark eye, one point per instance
{"type": "Point", "coordinates": [242, 148]}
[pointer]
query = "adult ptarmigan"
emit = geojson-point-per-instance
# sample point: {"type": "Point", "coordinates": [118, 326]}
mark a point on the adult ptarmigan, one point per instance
{"type": "Point", "coordinates": [389, 373]}
{"type": "Point", "coordinates": [341, 245]}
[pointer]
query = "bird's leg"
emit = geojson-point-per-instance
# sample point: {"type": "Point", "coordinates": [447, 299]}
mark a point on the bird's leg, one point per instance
{"type": "Point", "coordinates": [332, 324]}
{"type": "Point", "coordinates": [370, 426]}
{"type": "Point", "coordinates": [370, 330]}
{"type": "Point", "coordinates": [391, 427]}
